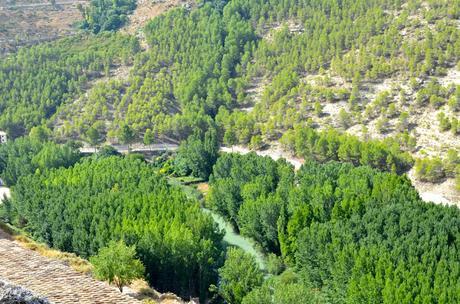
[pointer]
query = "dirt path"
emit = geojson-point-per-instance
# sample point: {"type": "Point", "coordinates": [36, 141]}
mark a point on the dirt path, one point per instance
{"type": "Point", "coordinates": [53, 279]}
{"type": "Point", "coordinates": [274, 152]}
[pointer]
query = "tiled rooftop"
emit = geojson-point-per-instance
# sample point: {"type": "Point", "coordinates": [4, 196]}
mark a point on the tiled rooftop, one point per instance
{"type": "Point", "coordinates": [53, 279]}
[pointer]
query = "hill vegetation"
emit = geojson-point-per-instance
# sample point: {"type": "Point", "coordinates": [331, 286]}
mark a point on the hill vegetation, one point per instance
{"type": "Point", "coordinates": [362, 90]}
{"type": "Point", "coordinates": [34, 82]}
{"type": "Point", "coordinates": [106, 15]}
{"type": "Point", "coordinates": [375, 69]}
{"type": "Point", "coordinates": [350, 234]}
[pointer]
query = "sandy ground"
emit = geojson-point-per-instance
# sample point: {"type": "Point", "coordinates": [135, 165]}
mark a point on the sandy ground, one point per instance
{"type": "Point", "coordinates": [441, 193]}
{"type": "Point", "coordinates": [274, 152]}
{"type": "Point", "coordinates": [32, 22]}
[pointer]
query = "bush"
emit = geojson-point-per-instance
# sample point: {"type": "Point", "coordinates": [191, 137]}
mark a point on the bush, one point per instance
{"type": "Point", "coordinates": [275, 264]}
{"type": "Point", "coordinates": [429, 169]}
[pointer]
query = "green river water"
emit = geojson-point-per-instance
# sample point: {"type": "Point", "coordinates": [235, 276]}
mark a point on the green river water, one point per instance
{"type": "Point", "coordinates": [234, 239]}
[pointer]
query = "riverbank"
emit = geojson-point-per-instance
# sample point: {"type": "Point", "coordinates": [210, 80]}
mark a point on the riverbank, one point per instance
{"type": "Point", "coordinates": [231, 237]}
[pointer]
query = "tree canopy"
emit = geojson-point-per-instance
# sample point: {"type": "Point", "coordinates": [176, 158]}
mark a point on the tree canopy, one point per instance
{"type": "Point", "coordinates": [351, 234]}
{"type": "Point", "coordinates": [82, 208]}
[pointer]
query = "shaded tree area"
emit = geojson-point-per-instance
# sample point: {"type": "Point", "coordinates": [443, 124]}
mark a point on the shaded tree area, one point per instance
{"type": "Point", "coordinates": [331, 145]}
{"type": "Point", "coordinates": [82, 208]}
{"type": "Point", "coordinates": [197, 154]}
{"type": "Point", "coordinates": [106, 15]}
{"type": "Point", "coordinates": [350, 234]}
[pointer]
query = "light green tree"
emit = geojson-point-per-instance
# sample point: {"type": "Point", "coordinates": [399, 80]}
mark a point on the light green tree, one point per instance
{"type": "Point", "coordinates": [239, 275]}
{"type": "Point", "coordinates": [117, 264]}
{"type": "Point", "coordinates": [94, 137]}
{"type": "Point", "coordinates": [40, 134]}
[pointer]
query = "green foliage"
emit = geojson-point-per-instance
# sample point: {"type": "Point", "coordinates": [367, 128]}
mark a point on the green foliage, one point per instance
{"type": "Point", "coordinates": [35, 81]}
{"type": "Point", "coordinates": [344, 119]}
{"type": "Point", "coordinates": [284, 289]}
{"type": "Point", "coordinates": [429, 169]}
{"type": "Point", "coordinates": [352, 234]}
{"type": "Point", "coordinates": [256, 142]}
{"type": "Point", "coordinates": [149, 137]}
{"type": "Point", "coordinates": [40, 134]}
{"type": "Point", "coordinates": [452, 162]}
{"type": "Point", "coordinates": [126, 135]}
{"type": "Point", "coordinates": [94, 136]}
{"type": "Point", "coordinates": [444, 122]}
{"type": "Point", "coordinates": [106, 15]}
{"type": "Point", "coordinates": [332, 145]}
{"type": "Point", "coordinates": [238, 182]}
{"type": "Point", "coordinates": [107, 151]}
{"type": "Point", "coordinates": [275, 264]}
{"type": "Point", "coordinates": [454, 101]}
{"type": "Point", "coordinates": [25, 155]}
{"type": "Point", "coordinates": [82, 208]}
{"type": "Point", "coordinates": [53, 155]}
{"type": "Point", "coordinates": [196, 156]}
{"type": "Point", "coordinates": [117, 264]}
{"type": "Point", "coordinates": [239, 275]}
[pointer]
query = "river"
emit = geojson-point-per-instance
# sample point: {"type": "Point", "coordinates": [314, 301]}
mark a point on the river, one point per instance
{"type": "Point", "coordinates": [234, 239]}
{"type": "Point", "coordinates": [231, 237]}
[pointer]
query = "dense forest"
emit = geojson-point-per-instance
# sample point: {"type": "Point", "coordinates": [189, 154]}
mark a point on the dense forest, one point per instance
{"type": "Point", "coordinates": [106, 15]}
{"type": "Point", "coordinates": [27, 155]}
{"type": "Point", "coordinates": [350, 234]}
{"type": "Point", "coordinates": [81, 208]}
{"type": "Point", "coordinates": [203, 66]}
{"type": "Point", "coordinates": [352, 87]}
{"type": "Point", "coordinates": [35, 81]}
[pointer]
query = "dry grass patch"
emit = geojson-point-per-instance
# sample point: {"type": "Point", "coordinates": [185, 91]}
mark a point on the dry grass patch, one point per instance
{"type": "Point", "coordinates": [78, 264]}
{"type": "Point", "coordinates": [203, 188]}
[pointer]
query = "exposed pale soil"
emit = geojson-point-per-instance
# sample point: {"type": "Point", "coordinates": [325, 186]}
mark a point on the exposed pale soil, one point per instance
{"type": "Point", "coordinates": [145, 11]}
{"type": "Point", "coordinates": [31, 22]}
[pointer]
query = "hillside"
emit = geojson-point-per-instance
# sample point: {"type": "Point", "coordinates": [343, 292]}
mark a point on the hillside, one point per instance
{"type": "Point", "coordinates": [25, 23]}
{"type": "Point", "coordinates": [377, 70]}
{"type": "Point", "coordinates": [387, 72]}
